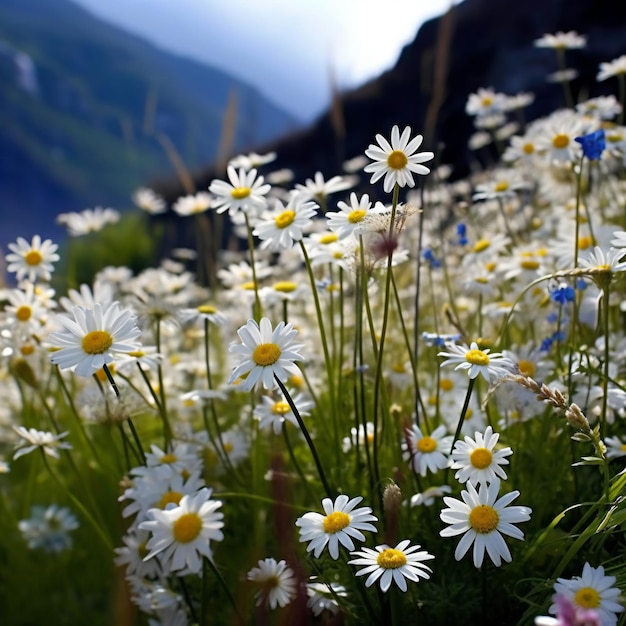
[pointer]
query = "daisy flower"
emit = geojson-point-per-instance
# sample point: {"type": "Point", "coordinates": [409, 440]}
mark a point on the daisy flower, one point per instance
{"type": "Point", "coordinates": [274, 413]}
{"type": "Point", "coordinates": [319, 189]}
{"type": "Point", "coordinates": [397, 161]}
{"type": "Point", "coordinates": [245, 192]}
{"type": "Point", "coordinates": [346, 221]}
{"type": "Point", "coordinates": [562, 40]}
{"type": "Point", "coordinates": [476, 361]}
{"type": "Point", "coordinates": [341, 523]}
{"type": "Point", "coordinates": [192, 204]}
{"type": "Point", "coordinates": [615, 447]}
{"type": "Point", "coordinates": [279, 229]}
{"type": "Point", "coordinates": [389, 565]}
{"type": "Point", "coordinates": [476, 460]}
{"type": "Point", "coordinates": [427, 497]}
{"type": "Point", "coordinates": [184, 532]}
{"type": "Point", "coordinates": [92, 337]}
{"type": "Point", "coordinates": [276, 581]}
{"type": "Point", "coordinates": [33, 439]}
{"type": "Point", "coordinates": [612, 68]}
{"type": "Point", "coordinates": [249, 161]}
{"type": "Point", "coordinates": [149, 201]}
{"type": "Point", "coordinates": [485, 102]}
{"type": "Point", "coordinates": [48, 528]}
{"type": "Point", "coordinates": [592, 590]}
{"type": "Point", "coordinates": [88, 221]}
{"type": "Point", "coordinates": [265, 353]}
{"type": "Point", "coordinates": [483, 519]}
{"type": "Point", "coordinates": [567, 614]}
{"type": "Point", "coordinates": [32, 260]}
{"type": "Point", "coordinates": [322, 596]}
{"type": "Point", "coordinates": [426, 452]}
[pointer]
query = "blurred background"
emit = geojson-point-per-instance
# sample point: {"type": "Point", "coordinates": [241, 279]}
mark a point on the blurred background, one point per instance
{"type": "Point", "coordinates": [100, 97]}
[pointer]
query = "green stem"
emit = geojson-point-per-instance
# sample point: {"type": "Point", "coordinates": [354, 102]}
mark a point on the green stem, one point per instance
{"type": "Point", "coordinates": [258, 309]}
{"type": "Point", "coordinates": [307, 436]}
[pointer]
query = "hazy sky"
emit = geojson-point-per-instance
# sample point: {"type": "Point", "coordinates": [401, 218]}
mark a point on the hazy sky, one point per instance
{"type": "Point", "coordinates": [283, 47]}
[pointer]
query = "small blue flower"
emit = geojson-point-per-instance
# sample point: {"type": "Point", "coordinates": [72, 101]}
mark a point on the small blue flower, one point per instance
{"type": "Point", "coordinates": [461, 231]}
{"type": "Point", "coordinates": [563, 294]}
{"type": "Point", "coordinates": [546, 344]}
{"type": "Point", "coordinates": [552, 318]}
{"type": "Point", "coordinates": [593, 144]}
{"type": "Point", "coordinates": [581, 284]}
{"type": "Point", "coordinates": [430, 257]}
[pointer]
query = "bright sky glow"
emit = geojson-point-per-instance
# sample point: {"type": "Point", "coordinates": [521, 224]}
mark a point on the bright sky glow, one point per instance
{"type": "Point", "coordinates": [285, 48]}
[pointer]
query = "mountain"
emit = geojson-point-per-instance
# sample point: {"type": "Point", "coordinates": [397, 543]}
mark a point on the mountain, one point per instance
{"type": "Point", "coordinates": [87, 108]}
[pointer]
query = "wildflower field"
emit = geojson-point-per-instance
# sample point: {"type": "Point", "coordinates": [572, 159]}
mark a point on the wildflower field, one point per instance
{"type": "Point", "coordinates": [409, 411]}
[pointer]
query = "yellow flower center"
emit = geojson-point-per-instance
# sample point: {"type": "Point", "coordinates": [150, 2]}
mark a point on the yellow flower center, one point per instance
{"type": "Point", "coordinates": [481, 245]}
{"type": "Point", "coordinates": [426, 445]}
{"type": "Point", "coordinates": [560, 141]}
{"type": "Point", "coordinates": [490, 267]}
{"type": "Point", "coordinates": [187, 527]}
{"type": "Point", "coordinates": [97, 342]}
{"type": "Point", "coordinates": [228, 447]}
{"type": "Point", "coordinates": [239, 193]}
{"type": "Point", "coordinates": [33, 257]}
{"type": "Point", "coordinates": [284, 219]}
{"type": "Point", "coordinates": [142, 549]}
{"type": "Point", "coordinates": [354, 217]}
{"type": "Point", "coordinates": [487, 101]}
{"type": "Point", "coordinates": [281, 408]}
{"type": "Point", "coordinates": [207, 309]}
{"type": "Point", "coordinates": [169, 458]}
{"type": "Point", "coordinates": [27, 350]}
{"type": "Point", "coordinates": [296, 381]}
{"type": "Point", "coordinates": [477, 357]}
{"type": "Point", "coordinates": [587, 597]}
{"type": "Point", "coordinates": [137, 354]}
{"type": "Point", "coordinates": [501, 186]}
{"type": "Point", "coordinates": [249, 286]}
{"type": "Point", "coordinates": [529, 264]}
{"type": "Point", "coordinates": [528, 148]}
{"type": "Point", "coordinates": [585, 242]}
{"type": "Point", "coordinates": [23, 313]}
{"type": "Point", "coordinates": [335, 522]}
{"type": "Point", "coordinates": [399, 368]}
{"type": "Point", "coordinates": [484, 519]}
{"type": "Point", "coordinates": [481, 458]}
{"type": "Point", "coordinates": [527, 368]}
{"type": "Point", "coordinates": [397, 160]}
{"type": "Point", "coordinates": [391, 559]}
{"type": "Point", "coordinates": [285, 286]}
{"type": "Point", "coordinates": [445, 384]}
{"type": "Point", "coordinates": [432, 400]}
{"type": "Point", "coordinates": [328, 238]}
{"type": "Point", "coordinates": [266, 354]}
{"type": "Point", "coordinates": [170, 497]}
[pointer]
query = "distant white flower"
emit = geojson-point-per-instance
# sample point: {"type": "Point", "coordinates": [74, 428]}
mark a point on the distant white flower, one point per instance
{"type": "Point", "coordinates": [32, 260]}
{"type": "Point", "coordinates": [322, 596]}
{"type": "Point", "coordinates": [482, 519]}
{"type": "Point", "coordinates": [33, 439]}
{"type": "Point", "coordinates": [276, 583]}
{"type": "Point", "coordinates": [192, 204]}
{"type": "Point", "coordinates": [88, 221]}
{"type": "Point", "coordinates": [427, 497]}
{"type": "Point", "coordinates": [319, 189]}
{"type": "Point", "coordinates": [341, 523]}
{"type": "Point", "coordinates": [48, 528]}
{"type": "Point", "coordinates": [397, 161]}
{"type": "Point", "coordinates": [149, 201]}
{"type": "Point", "coordinates": [252, 160]}
{"type": "Point", "coordinates": [91, 337]}
{"type": "Point", "coordinates": [264, 352]}
{"type": "Point", "coordinates": [273, 413]}
{"type": "Point", "coordinates": [562, 40]}
{"type": "Point", "coordinates": [612, 68]}
{"type": "Point", "coordinates": [615, 447]}
{"type": "Point", "coordinates": [392, 565]}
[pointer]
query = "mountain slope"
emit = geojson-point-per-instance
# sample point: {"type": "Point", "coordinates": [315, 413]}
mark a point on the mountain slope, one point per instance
{"type": "Point", "coordinates": [83, 103]}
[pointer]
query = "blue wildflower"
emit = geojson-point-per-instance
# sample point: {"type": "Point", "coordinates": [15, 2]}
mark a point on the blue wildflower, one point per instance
{"type": "Point", "coordinates": [563, 294]}
{"type": "Point", "coordinates": [461, 231]}
{"type": "Point", "coordinates": [593, 144]}
{"type": "Point", "coordinates": [430, 257]}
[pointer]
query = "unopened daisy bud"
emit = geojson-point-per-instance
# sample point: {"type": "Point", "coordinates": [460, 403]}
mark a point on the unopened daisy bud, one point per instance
{"type": "Point", "coordinates": [20, 368]}
{"type": "Point", "coordinates": [392, 502]}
